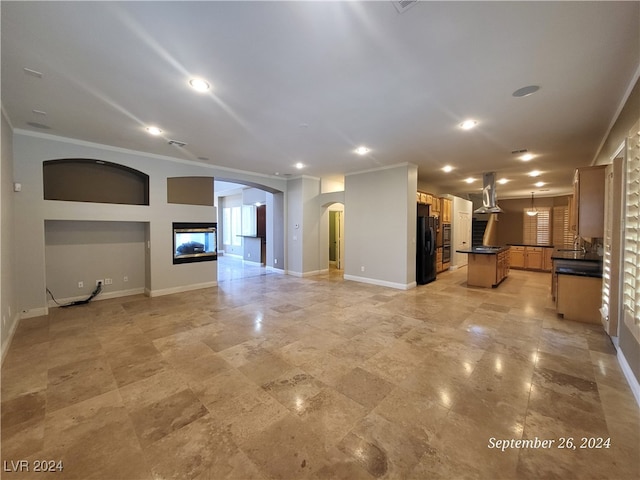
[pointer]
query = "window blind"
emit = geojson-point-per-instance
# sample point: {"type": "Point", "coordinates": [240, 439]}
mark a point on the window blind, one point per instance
{"type": "Point", "coordinates": [632, 236]}
{"type": "Point", "coordinates": [537, 228]}
{"type": "Point", "coordinates": [562, 234]}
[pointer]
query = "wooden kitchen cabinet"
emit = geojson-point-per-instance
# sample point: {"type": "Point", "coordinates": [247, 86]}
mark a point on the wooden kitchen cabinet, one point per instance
{"type": "Point", "coordinates": [435, 206]}
{"type": "Point", "coordinates": [439, 267]}
{"type": "Point", "coordinates": [517, 256]}
{"type": "Point", "coordinates": [531, 258]}
{"type": "Point", "coordinates": [579, 298]}
{"type": "Point", "coordinates": [487, 270]}
{"type": "Point", "coordinates": [547, 262]}
{"type": "Point", "coordinates": [446, 210]}
{"type": "Point", "coordinates": [586, 212]}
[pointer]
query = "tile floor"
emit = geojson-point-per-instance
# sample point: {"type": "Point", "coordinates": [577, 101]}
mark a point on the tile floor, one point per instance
{"type": "Point", "coordinates": [274, 376]}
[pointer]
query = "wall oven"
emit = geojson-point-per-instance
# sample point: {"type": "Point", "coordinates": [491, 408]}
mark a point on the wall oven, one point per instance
{"type": "Point", "coordinates": [446, 253]}
{"type": "Point", "coordinates": [446, 234]}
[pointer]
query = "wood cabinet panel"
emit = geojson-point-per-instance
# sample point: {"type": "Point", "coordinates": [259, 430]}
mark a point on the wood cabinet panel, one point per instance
{"type": "Point", "coordinates": [531, 258]}
{"type": "Point", "coordinates": [586, 215]}
{"type": "Point", "coordinates": [517, 257]}
{"type": "Point", "coordinates": [446, 210]}
{"type": "Point", "coordinates": [579, 298]}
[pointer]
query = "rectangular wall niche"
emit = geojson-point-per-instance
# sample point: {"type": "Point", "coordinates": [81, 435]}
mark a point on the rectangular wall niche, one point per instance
{"type": "Point", "coordinates": [194, 242]}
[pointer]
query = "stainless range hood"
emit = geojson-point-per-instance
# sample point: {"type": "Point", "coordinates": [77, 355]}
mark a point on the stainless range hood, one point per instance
{"type": "Point", "coordinates": [489, 204]}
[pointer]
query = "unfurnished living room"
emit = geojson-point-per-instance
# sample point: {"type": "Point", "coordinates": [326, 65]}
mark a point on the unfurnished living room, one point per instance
{"type": "Point", "coordinates": [320, 240]}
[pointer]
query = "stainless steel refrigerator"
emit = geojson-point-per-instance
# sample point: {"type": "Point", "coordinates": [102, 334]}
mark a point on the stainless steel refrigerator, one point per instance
{"type": "Point", "coordinates": [426, 250]}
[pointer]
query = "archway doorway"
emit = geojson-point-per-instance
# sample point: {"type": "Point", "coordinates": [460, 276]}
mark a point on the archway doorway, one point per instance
{"type": "Point", "coordinates": [250, 230]}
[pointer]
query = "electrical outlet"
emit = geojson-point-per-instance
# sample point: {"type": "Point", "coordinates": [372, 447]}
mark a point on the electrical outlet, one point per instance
{"type": "Point", "coordinates": [125, 279]}
{"type": "Point", "coordinates": [275, 261]}
{"type": "Point", "coordinates": [108, 281]}
{"type": "Point", "coordinates": [362, 268]}
{"type": "Point", "coordinates": [80, 284]}
{"type": "Point", "coordinates": [99, 282]}
{"type": "Point", "coordinates": [249, 255]}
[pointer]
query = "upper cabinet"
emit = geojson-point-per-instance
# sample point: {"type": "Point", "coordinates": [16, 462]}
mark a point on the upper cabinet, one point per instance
{"type": "Point", "coordinates": [587, 204]}
{"type": "Point", "coordinates": [446, 210]}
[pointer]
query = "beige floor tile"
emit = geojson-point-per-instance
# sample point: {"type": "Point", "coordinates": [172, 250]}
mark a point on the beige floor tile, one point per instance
{"type": "Point", "coordinates": [273, 376]}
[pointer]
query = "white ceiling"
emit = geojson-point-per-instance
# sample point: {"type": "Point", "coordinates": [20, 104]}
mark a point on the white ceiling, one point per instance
{"type": "Point", "coordinates": [310, 81]}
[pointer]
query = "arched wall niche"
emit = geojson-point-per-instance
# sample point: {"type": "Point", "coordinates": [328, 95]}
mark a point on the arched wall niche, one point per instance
{"type": "Point", "coordinates": [93, 180]}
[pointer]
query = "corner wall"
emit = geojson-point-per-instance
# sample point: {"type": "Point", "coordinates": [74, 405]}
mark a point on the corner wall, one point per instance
{"type": "Point", "coordinates": [8, 301]}
{"type": "Point", "coordinates": [380, 226]}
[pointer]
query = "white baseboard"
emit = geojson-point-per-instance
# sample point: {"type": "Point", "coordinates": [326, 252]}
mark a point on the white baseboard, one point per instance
{"type": "Point", "coordinates": [180, 289]}
{"type": "Point", "coordinates": [34, 312]}
{"type": "Point", "coordinates": [251, 262]}
{"type": "Point", "coordinates": [629, 375]}
{"type": "Point", "coordinates": [9, 338]}
{"type": "Point", "coordinates": [101, 296]}
{"type": "Point", "coordinates": [275, 270]}
{"type": "Point", "coordinates": [382, 283]}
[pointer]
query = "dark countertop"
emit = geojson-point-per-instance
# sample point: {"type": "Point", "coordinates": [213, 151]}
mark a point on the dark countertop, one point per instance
{"type": "Point", "coordinates": [484, 250]}
{"type": "Point", "coordinates": [528, 245]}
{"type": "Point", "coordinates": [576, 255]}
{"type": "Point", "coordinates": [579, 272]}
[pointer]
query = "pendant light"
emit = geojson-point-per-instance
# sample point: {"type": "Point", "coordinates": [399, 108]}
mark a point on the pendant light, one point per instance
{"type": "Point", "coordinates": [532, 212]}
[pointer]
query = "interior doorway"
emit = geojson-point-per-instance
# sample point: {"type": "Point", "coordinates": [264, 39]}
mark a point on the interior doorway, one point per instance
{"type": "Point", "coordinates": [336, 236]}
{"type": "Point", "coordinates": [250, 230]}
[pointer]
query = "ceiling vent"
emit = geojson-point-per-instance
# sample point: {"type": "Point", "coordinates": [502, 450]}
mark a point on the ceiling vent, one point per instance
{"type": "Point", "coordinates": [489, 204]}
{"type": "Point", "coordinates": [177, 143]}
{"type": "Point", "coordinates": [403, 5]}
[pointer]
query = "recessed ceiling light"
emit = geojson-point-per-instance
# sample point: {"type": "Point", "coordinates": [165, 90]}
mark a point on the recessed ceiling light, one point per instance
{"type": "Point", "coordinates": [540, 184]}
{"type": "Point", "coordinates": [470, 180]}
{"type": "Point", "coordinates": [154, 130]}
{"type": "Point", "coordinates": [534, 173]}
{"type": "Point", "coordinates": [468, 124]}
{"type": "Point", "coordinates": [199, 85]}
{"type": "Point", "coordinates": [526, 91]}
{"type": "Point", "coordinates": [299, 165]}
{"type": "Point", "coordinates": [502, 181]}
{"type": "Point", "coordinates": [526, 157]}
{"type": "Point", "coordinates": [447, 168]}
{"type": "Point", "coordinates": [362, 150]}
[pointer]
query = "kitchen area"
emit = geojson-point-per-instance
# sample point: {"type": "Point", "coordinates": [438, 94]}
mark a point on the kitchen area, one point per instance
{"type": "Point", "coordinates": [568, 245]}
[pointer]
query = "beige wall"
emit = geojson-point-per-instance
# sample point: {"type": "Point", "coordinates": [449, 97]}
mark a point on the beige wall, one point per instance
{"type": "Point", "coordinates": [8, 304]}
{"type": "Point", "coordinates": [510, 221]}
{"type": "Point", "coordinates": [628, 116]}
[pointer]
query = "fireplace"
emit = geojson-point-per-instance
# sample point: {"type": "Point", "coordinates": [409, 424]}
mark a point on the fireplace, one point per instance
{"type": "Point", "coordinates": [194, 242]}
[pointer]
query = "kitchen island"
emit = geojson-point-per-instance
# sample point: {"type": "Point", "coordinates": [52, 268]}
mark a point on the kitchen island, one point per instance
{"type": "Point", "coordinates": [487, 266]}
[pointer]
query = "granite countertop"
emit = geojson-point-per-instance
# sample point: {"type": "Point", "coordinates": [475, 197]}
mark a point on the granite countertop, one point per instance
{"type": "Point", "coordinates": [575, 255]}
{"type": "Point", "coordinates": [528, 245]}
{"type": "Point", "coordinates": [579, 272]}
{"type": "Point", "coordinates": [484, 250]}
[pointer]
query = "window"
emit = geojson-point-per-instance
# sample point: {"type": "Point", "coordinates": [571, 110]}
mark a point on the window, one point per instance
{"type": "Point", "coordinates": [231, 226]}
{"type": "Point", "coordinates": [226, 226]}
{"type": "Point", "coordinates": [236, 226]}
{"type": "Point", "coordinates": [537, 228]}
{"type": "Point", "coordinates": [562, 234]}
{"type": "Point", "coordinates": [632, 236]}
